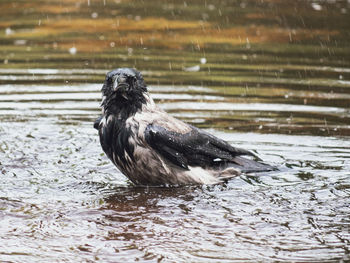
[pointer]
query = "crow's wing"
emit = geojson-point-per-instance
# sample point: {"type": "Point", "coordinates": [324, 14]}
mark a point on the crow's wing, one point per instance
{"type": "Point", "coordinates": [97, 122]}
{"type": "Point", "coordinates": [195, 148]}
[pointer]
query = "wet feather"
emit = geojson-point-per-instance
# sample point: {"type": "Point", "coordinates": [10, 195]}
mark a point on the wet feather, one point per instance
{"type": "Point", "coordinates": [151, 147]}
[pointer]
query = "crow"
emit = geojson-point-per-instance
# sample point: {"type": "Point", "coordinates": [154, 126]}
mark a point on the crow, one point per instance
{"type": "Point", "coordinates": [153, 148]}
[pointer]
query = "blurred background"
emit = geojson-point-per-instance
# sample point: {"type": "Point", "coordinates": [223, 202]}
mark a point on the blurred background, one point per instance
{"type": "Point", "coordinates": [271, 76]}
{"type": "Point", "coordinates": [282, 65]}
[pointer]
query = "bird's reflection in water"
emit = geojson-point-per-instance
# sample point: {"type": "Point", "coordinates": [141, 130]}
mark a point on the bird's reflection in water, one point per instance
{"type": "Point", "coordinates": [131, 197]}
{"type": "Point", "coordinates": [138, 214]}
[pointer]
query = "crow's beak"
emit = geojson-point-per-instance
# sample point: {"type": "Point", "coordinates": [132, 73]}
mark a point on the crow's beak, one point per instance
{"type": "Point", "coordinates": [119, 82]}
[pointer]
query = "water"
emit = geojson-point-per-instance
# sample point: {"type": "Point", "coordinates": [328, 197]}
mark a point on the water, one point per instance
{"type": "Point", "coordinates": [269, 76]}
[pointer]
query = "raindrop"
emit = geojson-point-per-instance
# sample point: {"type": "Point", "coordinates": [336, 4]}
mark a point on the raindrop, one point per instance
{"type": "Point", "coordinates": [248, 43]}
{"type": "Point", "coordinates": [316, 6]}
{"type": "Point", "coordinates": [203, 60]}
{"type": "Point", "coordinates": [193, 69]}
{"type": "Point", "coordinates": [94, 15]}
{"type": "Point", "coordinates": [8, 31]}
{"type": "Point", "coordinates": [205, 16]}
{"type": "Point", "coordinates": [211, 7]}
{"type": "Point", "coordinates": [73, 50]}
{"type": "Point", "coordinates": [20, 42]}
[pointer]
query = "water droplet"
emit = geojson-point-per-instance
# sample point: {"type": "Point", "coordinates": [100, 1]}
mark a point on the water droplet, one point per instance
{"type": "Point", "coordinates": [247, 43]}
{"type": "Point", "coordinates": [193, 69]}
{"type": "Point", "coordinates": [211, 7]}
{"type": "Point", "coordinates": [94, 15]}
{"type": "Point", "coordinates": [20, 42]}
{"type": "Point", "coordinates": [8, 31]}
{"type": "Point", "coordinates": [203, 60]}
{"type": "Point", "coordinates": [316, 6]}
{"type": "Point", "coordinates": [73, 50]}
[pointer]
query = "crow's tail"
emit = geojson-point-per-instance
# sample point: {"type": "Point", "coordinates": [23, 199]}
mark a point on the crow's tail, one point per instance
{"type": "Point", "coordinates": [250, 166]}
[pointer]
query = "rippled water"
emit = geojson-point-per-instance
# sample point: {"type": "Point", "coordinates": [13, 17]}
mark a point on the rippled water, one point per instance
{"type": "Point", "coordinates": [269, 76]}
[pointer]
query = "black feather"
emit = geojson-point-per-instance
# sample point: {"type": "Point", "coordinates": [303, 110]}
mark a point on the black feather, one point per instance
{"type": "Point", "coordinates": [97, 122]}
{"type": "Point", "coordinates": [129, 98]}
{"type": "Point", "coordinates": [162, 156]}
{"type": "Point", "coordinates": [114, 139]}
{"type": "Point", "coordinates": [198, 148]}
{"type": "Point", "coordinates": [119, 105]}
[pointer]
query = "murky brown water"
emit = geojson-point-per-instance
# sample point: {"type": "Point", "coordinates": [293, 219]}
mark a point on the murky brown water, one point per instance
{"type": "Point", "coordinates": [269, 76]}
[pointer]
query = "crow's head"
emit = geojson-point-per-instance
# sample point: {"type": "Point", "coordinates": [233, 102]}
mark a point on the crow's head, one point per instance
{"type": "Point", "coordinates": [123, 91]}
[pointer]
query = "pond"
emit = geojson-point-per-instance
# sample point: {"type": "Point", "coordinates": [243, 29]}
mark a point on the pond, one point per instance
{"type": "Point", "coordinates": [270, 76]}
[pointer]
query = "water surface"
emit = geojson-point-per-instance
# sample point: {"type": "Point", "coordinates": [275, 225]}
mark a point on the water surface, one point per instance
{"type": "Point", "coordinates": [269, 76]}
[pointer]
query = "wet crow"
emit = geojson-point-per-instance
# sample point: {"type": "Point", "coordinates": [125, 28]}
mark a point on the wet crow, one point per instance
{"type": "Point", "coordinates": [151, 147]}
